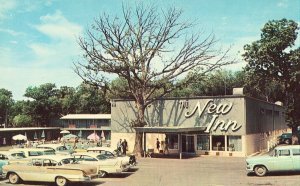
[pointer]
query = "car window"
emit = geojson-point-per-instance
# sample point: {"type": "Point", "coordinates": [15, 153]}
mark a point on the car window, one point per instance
{"type": "Point", "coordinates": [102, 157]}
{"type": "Point", "coordinates": [3, 157]}
{"type": "Point", "coordinates": [35, 153]}
{"type": "Point", "coordinates": [285, 152]}
{"type": "Point", "coordinates": [296, 152]}
{"type": "Point", "coordinates": [18, 155]}
{"type": "Point", "coordinates": [89, 158]}
{"type": "Point", "coordinates": [49, 152]}
{"type": "Point", "coordinates": [46, 162]}
{"type": "Point", "coordinates": [37, 162]}
{"type": "Point", "coordinates": [62, 148]}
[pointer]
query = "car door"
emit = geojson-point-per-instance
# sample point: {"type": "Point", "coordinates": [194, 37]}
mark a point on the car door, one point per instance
{"type": "Point", "coordinates": [34, 171]}
{"type": "Point", "coordinates": [284, 160]}
{"type": "Point", "coordinates": [296, 158]}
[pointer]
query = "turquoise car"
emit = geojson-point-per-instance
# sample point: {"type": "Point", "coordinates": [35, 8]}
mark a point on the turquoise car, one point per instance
{"type": "Point", "coordinates": [282, 158]}
{"type": "Point", "coordinates": [6, 156]}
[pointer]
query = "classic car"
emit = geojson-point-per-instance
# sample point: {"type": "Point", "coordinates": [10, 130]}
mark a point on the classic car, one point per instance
{"type": "Point", "coordinates": [29, 152]}
{"type": "Point", "coordinates": [105, 165]}
{"type": "Point", "coordinates": [282, 158]}
{"type": "Point", "coordinates": [286, 138]}
{"type": "Point", "coordinates": [6, 156]}
{"type": "Point", "coordinates": [59, 169]}
{"type": "Point", "coordinates": [58, 148]}
{"type": "Point", "coordinates": [110, 152]}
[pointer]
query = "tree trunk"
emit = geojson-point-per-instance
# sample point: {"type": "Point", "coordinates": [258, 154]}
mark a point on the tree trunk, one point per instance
{"type": "Point", "coordinates": [295, 136]}
{"type": "Point", "coordinates": [140, 122]}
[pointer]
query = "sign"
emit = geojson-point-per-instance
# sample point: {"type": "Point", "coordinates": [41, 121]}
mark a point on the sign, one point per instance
{"type": "Point", "coordinates": [215, 110]}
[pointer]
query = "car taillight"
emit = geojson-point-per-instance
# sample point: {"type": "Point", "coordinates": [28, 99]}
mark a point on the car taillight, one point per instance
{"type": "Point", "coordinates": [84, 174]}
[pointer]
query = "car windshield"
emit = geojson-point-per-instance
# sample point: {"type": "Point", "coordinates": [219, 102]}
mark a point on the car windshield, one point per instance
{"type": "Point", "coordinates": [69, 161]}
{"type": "Point", "coordinates": [271, 152]}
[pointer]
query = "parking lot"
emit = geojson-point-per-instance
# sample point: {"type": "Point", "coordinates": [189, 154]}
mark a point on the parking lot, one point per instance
{"type": "Point", "coordinates": [210, 171]}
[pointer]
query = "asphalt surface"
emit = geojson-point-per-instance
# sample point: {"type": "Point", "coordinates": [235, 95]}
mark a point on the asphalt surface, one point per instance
{"type": "Point", "coordinates": [207, 171]}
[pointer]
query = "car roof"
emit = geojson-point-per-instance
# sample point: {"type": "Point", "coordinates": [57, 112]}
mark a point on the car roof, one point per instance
{"type": "Point", "coordinates": [28, 149]}
{"type": "Point", "coordinates": [101, 148]}
{"type": "Point", "coordinates": [8, 152]}
{"type": "Point", "coordinates": [57, 158]}
{"type": "Point", "coordinates": [288, 147]}
{"type": "Point", "coordinates": [94, 154]}
{"type": "Point", "coordinates": [51, 145]}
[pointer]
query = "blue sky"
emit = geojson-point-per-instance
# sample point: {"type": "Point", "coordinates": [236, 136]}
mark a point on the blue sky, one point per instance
{"type": "Point", "coordinates": [38, 38]}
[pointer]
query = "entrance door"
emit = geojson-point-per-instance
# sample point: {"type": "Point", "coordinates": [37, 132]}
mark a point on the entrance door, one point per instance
{"type": "Point", "coordinates": [188, 143]}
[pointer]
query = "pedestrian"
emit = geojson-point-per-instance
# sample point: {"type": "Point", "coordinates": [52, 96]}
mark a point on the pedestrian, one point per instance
{"type": "Point", "coordinates": [157, 144]}
{"type": "Point", "coordinates": [166, 148]}
{"type": "Point", "coordinates": [124, 146]}
{"type": "Point", "coordinates": [119, 145]}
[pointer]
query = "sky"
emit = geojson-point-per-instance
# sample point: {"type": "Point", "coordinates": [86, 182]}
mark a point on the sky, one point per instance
{"type": "Point", "coordinates": [39, 38]}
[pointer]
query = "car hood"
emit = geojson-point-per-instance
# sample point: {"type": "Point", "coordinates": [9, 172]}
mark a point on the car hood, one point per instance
{"type": "Point", "coordinates": [258, 158]}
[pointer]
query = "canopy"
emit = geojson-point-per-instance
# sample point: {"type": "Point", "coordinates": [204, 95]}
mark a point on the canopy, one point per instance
{"type": "Point", "coordinates": [80, 134]}
{"type": "Point", "coordinates": [102, 135]}
{"type": "Point", "coordinates": [65, 132]}
{"type": "Point", "coordinates": [69, 136]}
{"type": "Point", "coordinates": [93, 137]}
{"type": "Point", "coordinates": [43, 134]}
{"type": "Point", "coordinates": [19, 137]}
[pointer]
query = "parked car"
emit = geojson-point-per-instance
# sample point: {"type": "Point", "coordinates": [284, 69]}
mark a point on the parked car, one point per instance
{"type": "Point", "coordinates": [286, 138]}
{"type": "Point", "coordinates": [58, 148]}
{"type": "Point", "coordinates": [49, 169]}
{"type": "Point", "coordinates": [6, 156]}
{"type": "Point", "coordinates": [110, 152]}
{"type": "Point", "coordinates": [105, 165]}
{"type": "Point", "coordinates": [282, 158]}
{"type": "Point", "coordinates": [29, 152]}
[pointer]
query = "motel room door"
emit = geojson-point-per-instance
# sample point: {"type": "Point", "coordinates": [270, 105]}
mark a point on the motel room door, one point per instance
{"type": "Point", "coordinates": [188, 144]}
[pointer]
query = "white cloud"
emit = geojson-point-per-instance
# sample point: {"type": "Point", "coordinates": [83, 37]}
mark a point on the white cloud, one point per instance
{"type": "Point", "coordinates": [57, 26]}
{"type": "Point", "coordinates": [282, 3]}
{"type": "Point", "coordinates": [11, 32]}
{"type": "Point", "coordinates": [63, 46]}
{"type": "Point", "coordinates": [5, 8]}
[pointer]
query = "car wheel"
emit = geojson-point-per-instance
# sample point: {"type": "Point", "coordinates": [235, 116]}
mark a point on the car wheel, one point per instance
{"type": "Point", "coordinates": [287, 141]}
{"type": "Point", "coordinates": [102, 174]}
{"type": "Point", "coordinates": [13, 178]}
{"type": "Point", "coordinates": [61, 181]}
{"type": "Point", "coordinates": [260, 170]}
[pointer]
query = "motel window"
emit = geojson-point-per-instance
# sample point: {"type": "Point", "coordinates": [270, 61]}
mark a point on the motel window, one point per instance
{"type": "Point", "coordinates": [172, 141]}
{"type": "Point", "coordinates": [202, 142]}
{"type": "Point", "coordinates": [234, 143]}
{"type": "Point", "coordinates": [218, 143]}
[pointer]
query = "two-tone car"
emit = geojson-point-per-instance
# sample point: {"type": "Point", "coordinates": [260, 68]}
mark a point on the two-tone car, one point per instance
{"type": "Point", "coordinates": [105, 164]}
{"type": "Point", "coordinates": [60, 169]}
{"type": "Point", "coordinates": [282, 158]}
{"type": "Point", "coordinates": [110, 152]}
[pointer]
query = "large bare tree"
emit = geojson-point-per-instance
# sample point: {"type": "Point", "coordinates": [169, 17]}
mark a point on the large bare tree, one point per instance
{"type": "Point", "coordinates": [151, 50]}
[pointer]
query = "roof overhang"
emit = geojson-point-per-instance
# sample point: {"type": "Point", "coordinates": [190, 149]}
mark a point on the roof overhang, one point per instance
{"type": "Point", "coordinates": [169, 129]}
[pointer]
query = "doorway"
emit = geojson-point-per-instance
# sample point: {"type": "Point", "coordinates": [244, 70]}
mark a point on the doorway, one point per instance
{"type": "Point", "coordinates": [188, 144]}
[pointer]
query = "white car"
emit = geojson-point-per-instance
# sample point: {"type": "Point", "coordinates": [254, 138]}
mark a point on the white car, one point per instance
{"type": "Point", "coordinates": [110, 152]}
{"type": "Point", "coordinates": [29, 152]}
{"type": "Point", "coordinates": [105, 164]}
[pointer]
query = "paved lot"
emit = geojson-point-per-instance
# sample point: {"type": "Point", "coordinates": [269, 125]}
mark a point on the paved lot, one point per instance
{"type": "Point", "coordinates": [210, 171]}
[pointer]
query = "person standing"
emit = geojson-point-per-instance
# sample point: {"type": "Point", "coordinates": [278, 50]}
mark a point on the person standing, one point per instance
{"type": "Point", "coordinates": [124, 146]}
{"type": "Point", "coordinates": [157, 144]}
{"type": "Point", "coordinates": [119, 145]}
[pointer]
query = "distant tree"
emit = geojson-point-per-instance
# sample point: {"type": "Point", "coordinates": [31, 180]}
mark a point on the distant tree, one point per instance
{"type": "Point", "coordinates": [6, 102]}
{"type": "Point", "coordinates": [91, 100]}
{"type": "Point", "coordinates": [68, 100]}
{"type": "Point", "coordinates": [148, 49]}
{"type": "Point", "coordinates": [44, 104]}
{"type": "Point", "coordinates": [22, 121]}
{"type": "Point", "coordinates": [274, 59]}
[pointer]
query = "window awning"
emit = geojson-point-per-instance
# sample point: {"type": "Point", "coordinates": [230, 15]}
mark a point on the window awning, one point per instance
{"type": "Point", "coordinates": [169, 129]}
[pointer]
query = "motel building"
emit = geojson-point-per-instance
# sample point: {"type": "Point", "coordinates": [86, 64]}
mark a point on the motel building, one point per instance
{"type": "Point", "coordinates": [232, 125]}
